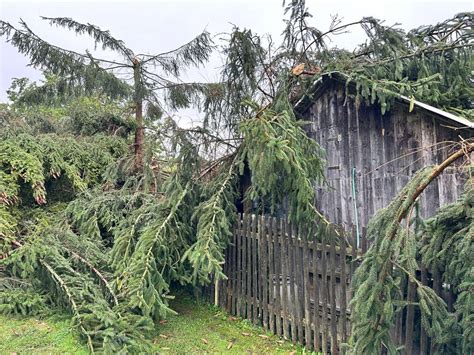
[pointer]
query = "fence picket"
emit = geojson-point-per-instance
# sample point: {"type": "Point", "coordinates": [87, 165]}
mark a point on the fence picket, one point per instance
{"type": "Point", "coordinates": [324, 321]}
{"type": "Point", "coordinates": [410, 318]}
{"type": "Point", "coordinates": [264, 270]}
{"type": "Point", "coordinates": [306, 287]}
{"type": "Point", "coordinates": [255, 317]}
{"type": "Point", "coordinates": [316, 288]}
{"type": "Point", "coordinates": [234, 264]}
{"type": "Point", "coordinates": [437, 289]}
{"type": "Point", "coordinates": [291, 271]}
{"type": "Point", "coordinates": [332, 294]}
{"type": "Point", "coordinates": [343, 294]}
{"type": "Point", "coordinates": [284, 277]}
{"type": "Point", "coordinates": [245, 253]}
{"type": "Point", "coordinates": [239, 266]}
{"type": "Point", "coordinates": [226, 291]}
{"type": "Point", "coordinates": [423, 335]}
{"type": "Point", "coordinates": [399, 322]}
{"type": "Point", "coordinates": [299, 284]}
{"type": "Point", "coordinates": [277, 274]}
{"type": "Point", "coordinates": [271, 278]}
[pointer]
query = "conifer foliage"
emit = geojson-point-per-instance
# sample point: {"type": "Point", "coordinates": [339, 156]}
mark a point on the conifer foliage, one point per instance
{"type": "Point", "coordinates": [102, 220]}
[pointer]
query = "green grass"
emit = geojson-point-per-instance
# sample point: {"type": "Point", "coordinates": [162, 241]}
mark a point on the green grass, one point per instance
{"type": "Point", "coordinates": [202, 328]}
{"type": "Point", "coordinates": [198, 327]}
{"type": "Point", "coordinates": [50, 334]}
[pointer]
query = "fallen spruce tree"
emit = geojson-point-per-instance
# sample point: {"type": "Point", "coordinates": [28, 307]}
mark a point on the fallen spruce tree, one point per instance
{"type": "Point", "coordinates": [93, 227]}
{"type": "Point", "coordinates": [109, 252]}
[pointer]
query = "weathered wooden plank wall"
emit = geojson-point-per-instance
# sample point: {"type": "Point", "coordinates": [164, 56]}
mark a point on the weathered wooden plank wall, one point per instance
{"type": "Point", "coordinates": [385, 152]}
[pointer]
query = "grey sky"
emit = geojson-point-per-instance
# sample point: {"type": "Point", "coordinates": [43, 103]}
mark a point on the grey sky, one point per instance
{"type": "Point", "coordinates": [157, 26]}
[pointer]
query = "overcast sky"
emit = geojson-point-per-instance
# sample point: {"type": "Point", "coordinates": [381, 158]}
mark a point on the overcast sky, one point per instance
{"type": "Point", "coordinates": [157, 26]}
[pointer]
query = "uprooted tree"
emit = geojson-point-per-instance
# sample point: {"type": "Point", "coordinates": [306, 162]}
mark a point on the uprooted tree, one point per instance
{"type": "Point", "coordinates": [82, 228]}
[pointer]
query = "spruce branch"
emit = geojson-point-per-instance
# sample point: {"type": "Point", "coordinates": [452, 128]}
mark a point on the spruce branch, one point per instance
{"type": "Point", "coordinates": [104, 38]}
{"type": "Point", "coordinates": [101, 277]}
{"type": "Point", "coordinates": [72, 302]}
{"type": "Point", "coordinates": [193, 53]}
{"type": "Point", "coordinates": [215, 218]}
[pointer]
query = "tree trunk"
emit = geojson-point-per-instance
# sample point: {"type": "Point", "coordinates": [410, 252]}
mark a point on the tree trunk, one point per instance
{"type": "Point", "coordinates": [139, 130]}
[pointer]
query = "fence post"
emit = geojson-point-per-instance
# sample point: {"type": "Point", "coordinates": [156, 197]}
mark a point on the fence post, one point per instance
{"type": "Point", "coordinates": [255, 316]}
{"type": "Point", "coordinates": [264, 273]}
{"type": "Point", "coordinates": [277, 273]}
{"type": "Point", "coordinates": [316, 289]}
{"type": "Point", "coordinates": [293, 294]}
{"type": "Point", "coordinates": [343, 294]}
{"type": "Point", "coordinates": [239, 267]}
{"type": "Point", "coordinates": [244, 266]}
{"type": "Point", "coordinates": [284, 264]}
{"type": "Point", "coordinates": [306, 288]}
{"type": "Point", "coordinates": [299, 283]}
{"type": "Point", "coordinates": [234, 264]}
{"type": "Point", "coordinates": [324, 300]}
{"type": "Point", "coordinates": [271, 276]}
{"type": "Point", "coordinates": [332, 294]}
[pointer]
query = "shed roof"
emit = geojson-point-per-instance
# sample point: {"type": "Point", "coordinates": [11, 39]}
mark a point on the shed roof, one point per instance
{"type": "Point", "coordinates": [319, 86]}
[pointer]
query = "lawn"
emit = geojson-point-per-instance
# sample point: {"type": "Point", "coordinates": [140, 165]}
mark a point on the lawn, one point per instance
{"type": "Point", "coordinates": [198, 327]}
{"type": "Point", "coordinates": [49, 334]}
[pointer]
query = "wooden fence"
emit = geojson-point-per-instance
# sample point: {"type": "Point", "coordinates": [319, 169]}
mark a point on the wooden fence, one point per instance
{"type": "Point", "coordinates": [300, 289]}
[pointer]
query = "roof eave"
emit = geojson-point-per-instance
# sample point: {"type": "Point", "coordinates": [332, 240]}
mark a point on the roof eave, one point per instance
{"type": "Point", "coordinates": [318, 84]}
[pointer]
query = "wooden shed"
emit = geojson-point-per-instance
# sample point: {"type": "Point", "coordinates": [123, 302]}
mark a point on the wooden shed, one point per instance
{"type": "Point", "coordinates": [371, 156]}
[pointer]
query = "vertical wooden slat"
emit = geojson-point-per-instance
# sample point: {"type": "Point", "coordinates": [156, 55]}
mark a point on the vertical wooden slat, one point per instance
{"type": "Point", "coordinates": [343, 295]}
{"type": "Point", "coordinates": [399, 321]}
{"type": "Point", "coordinates": [211, 291]}
{"type": "Point", "coordinates": [437, 289]}
{"type": "Point", "coordinates": [255, 316]}
{"type": "Point", "coordinates": [334, 342]}
{"type": "Point", "coordinates": [227, 282]}
{"type": "Point", "coordinates": [307, 286]}
{"type": "Point", "coordinates": [451, 298]}
{"type": "Point", "coordinates": [363, 240]}
{"type": "Point", "coordinates": [291, 272]}
{"type": "Point", "coordinates": [277, 262]}
{"type": "Point", "coordinates": [410, 318]}
{"type": "Point", "coordinates": [284, 276]}
{"type": "Point", "coordinates": [239, 267]}
{"type": "Point", "coordinates": [354, 250]}
{"type": "Point", "coordinates": [353, 265]}
{"type": "Point", "coordinates": [260, 268]}
{"type": "Point", "coordinates": [423, 335]}
{"type": "Point", "coordinates": [222, 291]}
{"type": "Point", "coordinates": [316, 288]}
{"type": "Point", "coordinates": [324, 301]}
{"type": "Point", "coordinates": [271, 276]}
{"type": "Point", "coordinates": [244, 266]}
{"type": "Point", "coordinates": [264, 270]}
{"type": "Point", "coordinates": [234, 264]}
{"type": "Point", "coordinates": [299, 284]}
{"type": "Point", "coordinates": [250, 266]}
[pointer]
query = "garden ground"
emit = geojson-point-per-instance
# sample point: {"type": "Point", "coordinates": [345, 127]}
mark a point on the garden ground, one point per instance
{"type": "Point", "coordinates": [198, 327]}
